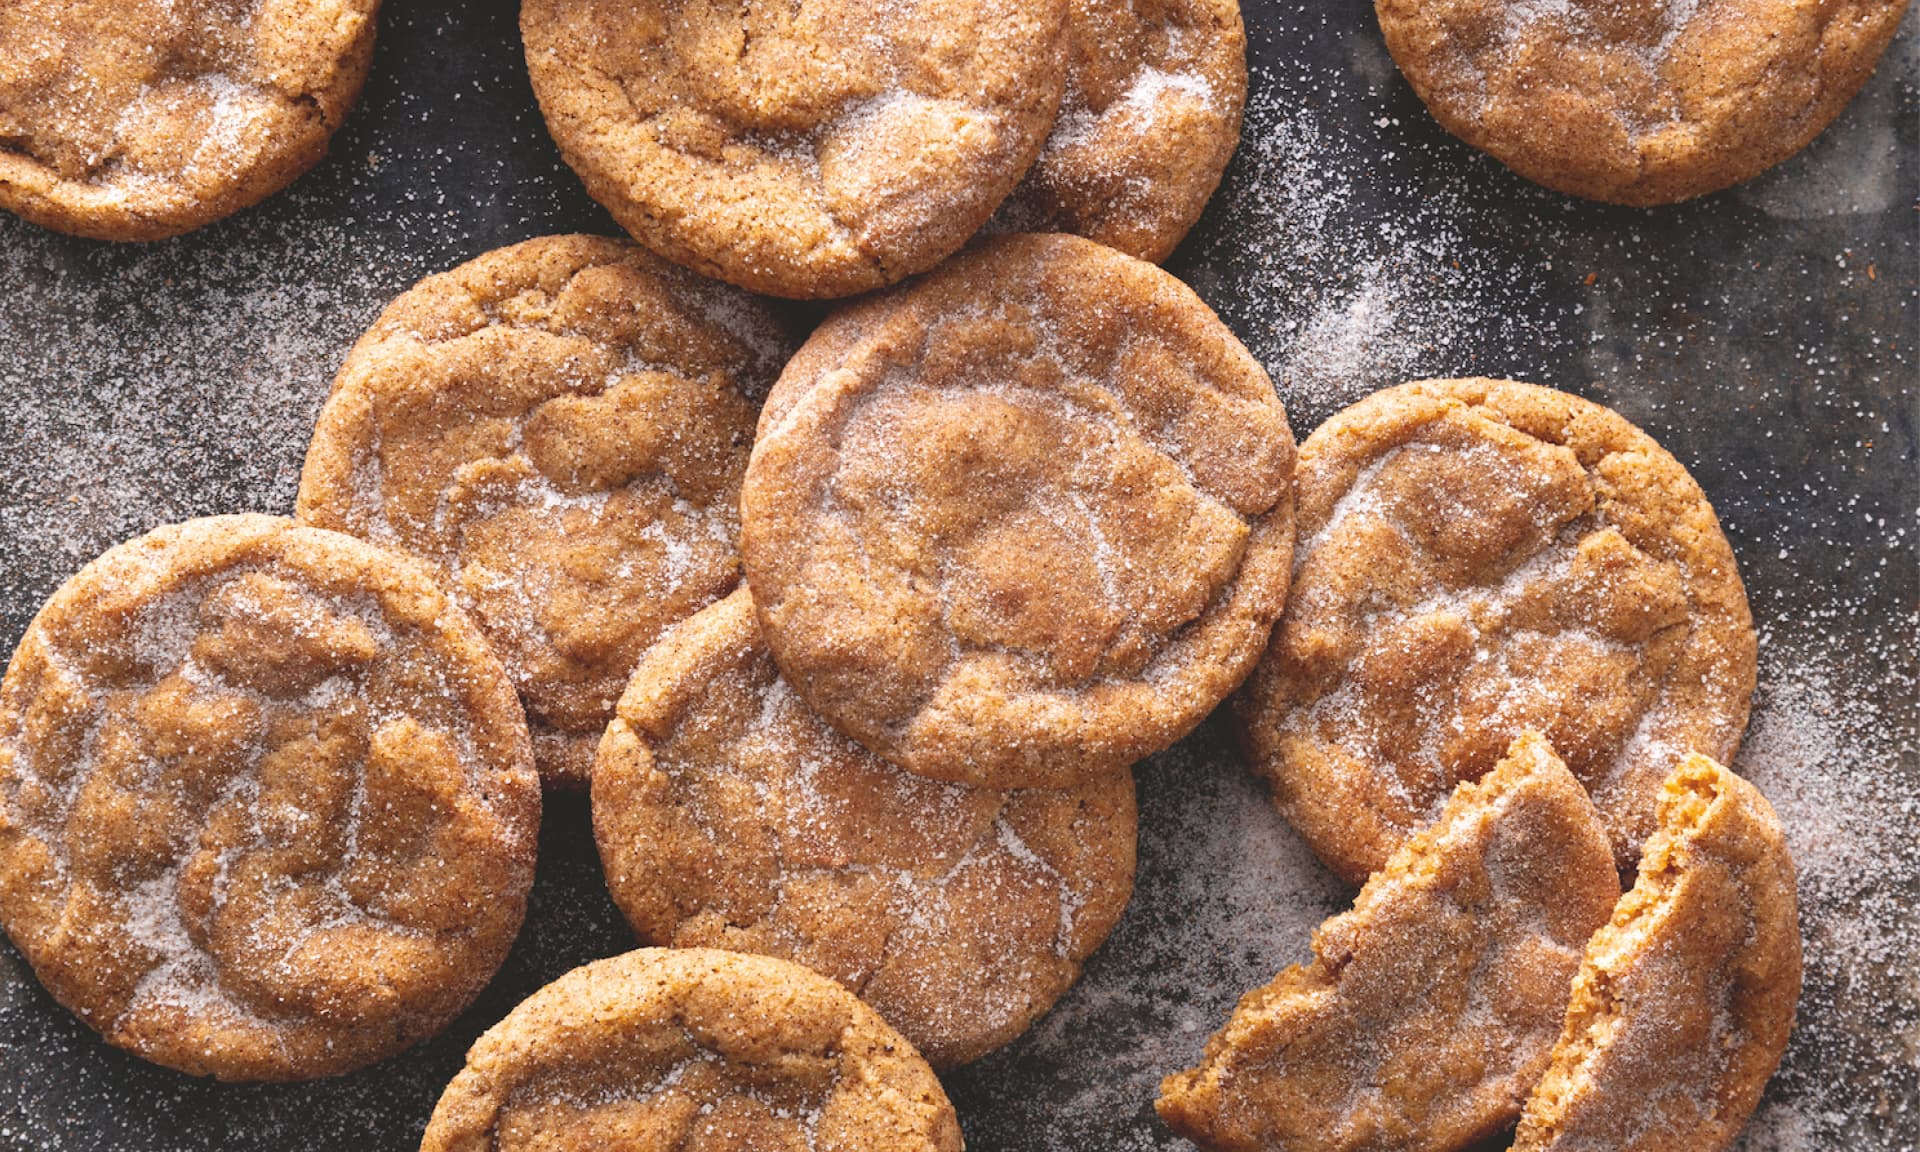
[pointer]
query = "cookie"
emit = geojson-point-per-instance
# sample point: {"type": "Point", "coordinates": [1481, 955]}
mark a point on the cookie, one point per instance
{"type": "Point", "coordinates": [1150, 118]}
{"type": "Point", "coordinates": [1637, 103]}
{"type": "Point", "coordinates": [1686, 999]}
{"type": "Point", "coordinates": [807, 150]}
{"type": "Point", "coordinates": [1479, 557]}
{"type": "Point", "coordinates": [141, 121]}
{"type": "Point", "coordinates": [1430, 1009]}
{"type": "Point", "coordinates": [730, 816]}
{"type": "Point", "coordinates": [560, 428]}
{"type": "Point", "coordinates": [693, 1049]}
{"type": "Point", "coordinates": [267, 803]}
{"type": "Point", "coordinates": [1021, 522]}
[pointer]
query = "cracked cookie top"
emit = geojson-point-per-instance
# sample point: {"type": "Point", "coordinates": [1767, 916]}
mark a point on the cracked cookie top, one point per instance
{"type": "Point", "coordinates": [1637, 101]}
{"type": "Point", "coordinates": [560, 428]}
{"type": "Point", "coordinates": [809, 149]}
{"type": "Point", "coordinates": [1023, 521]}
{"type": "Point", "coordinates": [730, 816]}
{"type": "Point", "coordinates": [693, 1049]}
{"type": "Point", "coordinates": [1479, 557]}
{"type": "Point", "coordinates": [267, 804]}
{"type": "Point", "coordinates": [140, 121]}
{"type": "Point", "coordinates": [1430, 1009]}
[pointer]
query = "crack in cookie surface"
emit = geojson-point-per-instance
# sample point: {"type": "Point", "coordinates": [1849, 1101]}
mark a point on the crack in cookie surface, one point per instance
{"type": "Point", "coordinates": [1477, 558]}
{"type": "Point", "coordinates": [729, 816]}
{"type": "Point", "coordinates": [267, 806]}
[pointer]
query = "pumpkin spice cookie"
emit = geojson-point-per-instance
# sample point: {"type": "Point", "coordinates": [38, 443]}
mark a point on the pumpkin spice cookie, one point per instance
{"type": "Point", "coordinates": [1638, 103]}
{"type": "Point", "coordinates": [1155, 89]}
{"type": "Point", "coordinates": [267, 803]}
{"type": "Point", "coordinates": [1023, 521]}
{"type": "Point", "coordinates": [141, 121]}
{"type": "Point", "coordinates": [1686, 999]}
{"type": "Point", "coordinates": [1430, 1009]}
{"type": "Point", "coordinates": [730, 816]}
{"type": "Point", "coordinates": [560, 427]}
{"type": "Point", "coordinates": [1479, 557]}
{"type": "Point", "coordinates": [809, 150]}
{"type": "Point", "coordinates": [693, 1049]}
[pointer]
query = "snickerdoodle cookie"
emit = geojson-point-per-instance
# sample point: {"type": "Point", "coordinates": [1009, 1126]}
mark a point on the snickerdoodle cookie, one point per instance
{"type": "Point", "coordinates": [1684, 1004]}
{"type": "Point", "coordinates": [267, 803]}
{"type": "Point", "coordinates": [1430, 1008]}
{"type": "Point", "coordinates": [1023, 521]}
{"type": "Point", "coordinates": [810, 149]}
{"type": "Point", "coordinates": [140, 121]}
{"type": "Point", "coordinates": [693, 1049]}
{"type": "Point", "coordinates": [730, 816]}
{"type": "Point", "coordinates": [1638, 101]}
{"type": "Point", "coordinates": [1479, 557]}
{"type": "Point", "coordinates": [560, 427]}
{"type": "Point", "coordinates": [1155, 89]}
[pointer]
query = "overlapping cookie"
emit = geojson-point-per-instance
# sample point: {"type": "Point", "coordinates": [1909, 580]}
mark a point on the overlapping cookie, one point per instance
{"type": "Point", "coordinates": [560, 428]}
{"type": "Point", "coordinates": [730, 816]}
{"type": "Point", "coordinates": [140, 121]}
{"type": "Point", "coordinates": [1638, 103]}
{"type": "Point", "coordinates": [1023, 521]}
{"type": "Point", "coordinates": [1478, 557]}
{"type": "Point", "coordinates": [693, 1049]}
{"type": "Point", "coordinates": [1431, 1008]}
{"type": "Point", "coordinates": [267, 801]}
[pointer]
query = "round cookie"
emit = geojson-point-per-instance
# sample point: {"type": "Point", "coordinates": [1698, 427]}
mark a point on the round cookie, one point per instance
{"type": "Point", "coordinates": [141, 121]}
{"type": "Point", "coordinates": [808, 150]}
{"type": "Point", "coordinates": [1684, 1004]}
{"type": "Point", "coordinates": [1430, 1009]}
{"type": "Point", "coordinates": [693, 1049]}
{"type": "Point", "coordinates": [1023, 521]}
{"type": "Point", "coordinates": [1639, 103]}
{"type": "Point", "coordinates": [1479, 557]}
{"type": "Point", "coordinates": [561, 428]}
{"type": "Point", "coordinates": [1151, 116]}
{"type": "Point", "coordinates": [730, 816]}
{"type": "Point", "coordinates": [267, 804]}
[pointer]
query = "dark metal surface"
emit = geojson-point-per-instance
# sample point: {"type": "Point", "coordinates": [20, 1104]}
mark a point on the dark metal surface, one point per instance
{"type": "Point", "coordinates": [1764, 335]}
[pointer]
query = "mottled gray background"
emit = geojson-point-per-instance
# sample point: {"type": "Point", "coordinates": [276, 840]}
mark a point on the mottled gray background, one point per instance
{"type": "Point", "coordinates": [1765, 335]}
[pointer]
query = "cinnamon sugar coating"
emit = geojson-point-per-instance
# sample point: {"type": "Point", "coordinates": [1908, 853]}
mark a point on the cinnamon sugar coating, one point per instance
{"type": "Point", "coordinates": [1021, 522]}
{"type": "Point", "coordinates": [560, 428]}
{"type": "Point", "coordinates": [1479, 557]}
{"type": "Point", "coordinates": [692, 1049]}
{"type": "Point", "coordinates": [1429, 1010]}
{"type": "Point", "coordinates": [814, 149]}
{"type": "Point", "coordinates": [730, 816]}
{"type": "Point", "coordinates": [267, 802]}
{"type": "Point", "coordinates": [140, 121]}
{"type": "Point", "coordinates": [1638, 101]}
{"type": "Point", "coordinates": [1686, 999]}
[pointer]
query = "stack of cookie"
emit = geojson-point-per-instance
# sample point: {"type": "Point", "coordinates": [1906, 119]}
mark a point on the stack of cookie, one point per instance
{"type": "Point", "coordinates": [855, 645]}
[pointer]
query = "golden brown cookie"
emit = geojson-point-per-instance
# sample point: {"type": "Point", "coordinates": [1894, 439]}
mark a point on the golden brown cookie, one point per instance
{"type": "Point", "coordinates": [810, 149]}
{"type": "Point", "coordinates": [1023, 521]}
{"type": "Point", "coordinates": [1430, 1009]}
{"type": "Point", "coordinates": [1151, 116]}
{"type": "Point", "coordinates": [560, 427]}
{"type": "Point", "coordinates": [139, 121]}
{"type": "Point", "coordinates": [267, 802]}
{"type": "Point", "coordinates": [1686, 999]}
{"type": "Point", "coordinates": [697, 1050]}
{"type": "Point", "coordinates": [1478, 557]}
{"type": "Point", "coordinates": [1642, 102]}
{"type": "Point", "coordinates": [730, 816]}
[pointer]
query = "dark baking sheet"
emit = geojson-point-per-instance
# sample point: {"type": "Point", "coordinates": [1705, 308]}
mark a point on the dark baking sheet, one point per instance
{"type": "Point", "coordinates": [1765, 335]}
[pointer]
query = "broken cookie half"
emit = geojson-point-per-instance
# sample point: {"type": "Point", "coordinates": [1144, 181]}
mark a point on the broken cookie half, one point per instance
{"type": "Point", "coordinates": [1431, 1008]}
{"type": "Point", "coordinates": [1683, 1006]}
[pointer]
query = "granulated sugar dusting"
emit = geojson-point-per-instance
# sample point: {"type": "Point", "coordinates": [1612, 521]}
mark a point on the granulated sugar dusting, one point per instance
{"type": "Point", "coordinates": [1763, 336]}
